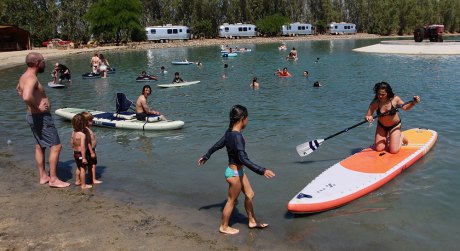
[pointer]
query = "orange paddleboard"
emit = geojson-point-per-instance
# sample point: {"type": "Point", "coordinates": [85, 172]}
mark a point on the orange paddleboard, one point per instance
{"type": "Point", "coordinates": [360, 174]}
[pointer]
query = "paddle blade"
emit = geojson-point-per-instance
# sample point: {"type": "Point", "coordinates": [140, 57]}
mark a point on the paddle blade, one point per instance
{"type": "Point", "coordinates": [308, 147]}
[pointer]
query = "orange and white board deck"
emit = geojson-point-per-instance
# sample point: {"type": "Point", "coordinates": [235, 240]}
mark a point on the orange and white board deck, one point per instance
{"type": "Point", "coordinates": [360, 174]}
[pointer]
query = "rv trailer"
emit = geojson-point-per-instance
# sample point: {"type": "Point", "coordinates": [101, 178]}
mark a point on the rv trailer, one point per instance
{"type": "Point", "coordinates": [297, 28]}
{"type": "Point", "coordinates": [341, 28]}
{"type": "Point", "coordinates": [167, 32]}
{"type": "Point", "coordinates": [237, 30]}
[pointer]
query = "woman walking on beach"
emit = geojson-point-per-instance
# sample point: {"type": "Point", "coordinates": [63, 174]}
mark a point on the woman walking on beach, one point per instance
{"type": "Point", "coordinates": [234, 174]}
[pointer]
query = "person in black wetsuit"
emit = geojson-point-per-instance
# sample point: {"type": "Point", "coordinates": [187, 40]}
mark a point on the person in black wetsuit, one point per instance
{"type": "Point", "coordinates": [234, 174]}
{"type": "Point", "coordinates": [177, 79]}
{"type": "Point", "coordinates": [64, 72]}
{"type": "Point", "coordinates": [388, 133]}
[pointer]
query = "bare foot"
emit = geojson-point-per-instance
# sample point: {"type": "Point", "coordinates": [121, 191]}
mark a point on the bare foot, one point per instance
{"type": "Point", "coordinates": [404, 141]}
{"type": "Point", "coordinates": [58, 183]}
{"type": "Point", "coordinates": [97, 181]}
{"type": "Point", "coordinates": [86, 186]}
{"type": "Point", "coordinates": [44, 180]}
{"type": "Point", "coordinates": [77, 184]}
{"type": "Point", "coordinates": [257, 225]}
{"type": "Point", "coordinates": [228, 230]}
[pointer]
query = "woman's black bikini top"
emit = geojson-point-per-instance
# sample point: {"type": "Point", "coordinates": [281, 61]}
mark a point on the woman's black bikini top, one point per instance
{"type": "Point", "coordinates": [393, 111]}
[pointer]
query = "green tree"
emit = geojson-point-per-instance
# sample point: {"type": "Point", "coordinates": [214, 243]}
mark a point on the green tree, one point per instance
{"type": "Point", "coordinates": [33, 16]}
{"type": "Point", "coordinates": [271, 25]}
{"type": "Point", "coordinates": [383, 22]}
{"type": "Point", "coordinates": [203, 28]}
{"type": "Point", "coordinates": [151, 12]}
{"type": "Point", "coordinates": [296, 10]}
{"type": "Point", "coordinates": [71, 21]}
{"type": "Point", "coordinates": [449, 14]}
{"type": "Point", "coordinates": [114, 20]}
{"type": "Point", "coordinates": [357, 11]}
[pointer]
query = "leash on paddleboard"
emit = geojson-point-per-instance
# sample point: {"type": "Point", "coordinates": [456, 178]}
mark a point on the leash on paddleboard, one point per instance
{"type": "Point", "coordinates": [308, 147]}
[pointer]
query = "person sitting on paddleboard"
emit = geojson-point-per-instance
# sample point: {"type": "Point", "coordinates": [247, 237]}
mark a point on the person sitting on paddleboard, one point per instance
{"type": "Point", "coordinates": [388, 132]}
{"type": "Point", "coordinates": [143, 111]}
{"type": "Point", "coordinates": [177, 78]}
{"type": "Point", "coordinates": [234, 173]}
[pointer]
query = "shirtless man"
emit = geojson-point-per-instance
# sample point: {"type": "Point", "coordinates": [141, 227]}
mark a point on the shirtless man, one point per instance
{"type": "Point", "coordinates": [95, 61]}
{"type": "Point", "coordinates": [40, 120]}
{"type": "Point", "coordinates": [293, 53]}
{"type": "Point", "coordinates": [143, 111]}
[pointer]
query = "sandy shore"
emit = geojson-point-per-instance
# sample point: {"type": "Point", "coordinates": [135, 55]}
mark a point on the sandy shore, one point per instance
{"type": "Point", "coordinates": [36, 217]}
{"type": "Point", "coordinates": [15, 58]}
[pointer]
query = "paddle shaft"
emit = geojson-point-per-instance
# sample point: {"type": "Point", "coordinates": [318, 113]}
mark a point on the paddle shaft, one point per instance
{"type": "Point", "coordinates": [362, 122]}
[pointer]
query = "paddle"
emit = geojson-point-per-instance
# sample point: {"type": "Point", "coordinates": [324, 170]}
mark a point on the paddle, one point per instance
{"type": "Point", "coordinates": [308, 147]}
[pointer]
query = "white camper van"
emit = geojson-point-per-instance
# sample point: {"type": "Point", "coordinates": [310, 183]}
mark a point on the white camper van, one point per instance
{"type": "Point", "coordinates": [237, 30]}
{"type": "Point", "coordinates": [341, 28]}
{"type": "Point", "coordinates": [297, 28]}
{"type": "Point", "coordinates": [167, 32]}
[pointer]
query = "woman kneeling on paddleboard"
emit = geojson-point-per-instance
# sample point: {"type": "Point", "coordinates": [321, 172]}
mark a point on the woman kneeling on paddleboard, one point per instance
{"type": "Point", "coordinates": [386, 104]}
{"type": "Point", "coordinates": [234, 174]}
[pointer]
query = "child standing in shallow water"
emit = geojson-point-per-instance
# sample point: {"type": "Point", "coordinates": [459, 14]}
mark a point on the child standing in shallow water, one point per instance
{"type": "Point", "coordinates": [91, 148]}
{"type": "Point", "coordinates": [78, 141]}
{"type": "Point", "coordinates": [234, 174]}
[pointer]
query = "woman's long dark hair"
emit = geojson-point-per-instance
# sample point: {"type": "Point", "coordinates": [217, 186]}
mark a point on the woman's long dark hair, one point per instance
{"type": "Point", "coordinates": [383, 86]}
{"type": "Point", "coordinates": [237, 113]}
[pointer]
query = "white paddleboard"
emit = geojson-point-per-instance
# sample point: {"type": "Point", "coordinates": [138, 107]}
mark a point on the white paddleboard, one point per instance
{"type": "Point", "coordinates": [178, 84]}
{"type": "Point", "coordinates": [181, 62]}
{"type": "Point", "coordinates": [53, 85]}
{"type": "Point", "coordinates": [121, 121]}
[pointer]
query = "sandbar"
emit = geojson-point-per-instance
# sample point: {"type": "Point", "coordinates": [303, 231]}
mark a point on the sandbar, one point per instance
{"type": "Point", "coordinates": [413, 48]}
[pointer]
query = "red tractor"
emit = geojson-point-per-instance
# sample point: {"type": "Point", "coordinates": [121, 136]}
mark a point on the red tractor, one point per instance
{"type": "Point", "coordinates": [432, 32]}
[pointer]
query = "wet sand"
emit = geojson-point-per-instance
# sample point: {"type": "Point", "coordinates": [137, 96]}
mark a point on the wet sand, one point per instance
{"type": "Point", "coordinates": [37, 217]}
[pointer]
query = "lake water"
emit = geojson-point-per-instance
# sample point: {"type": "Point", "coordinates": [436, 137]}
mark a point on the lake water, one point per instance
{"type": "Point", "coordinates": [418, 209]}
